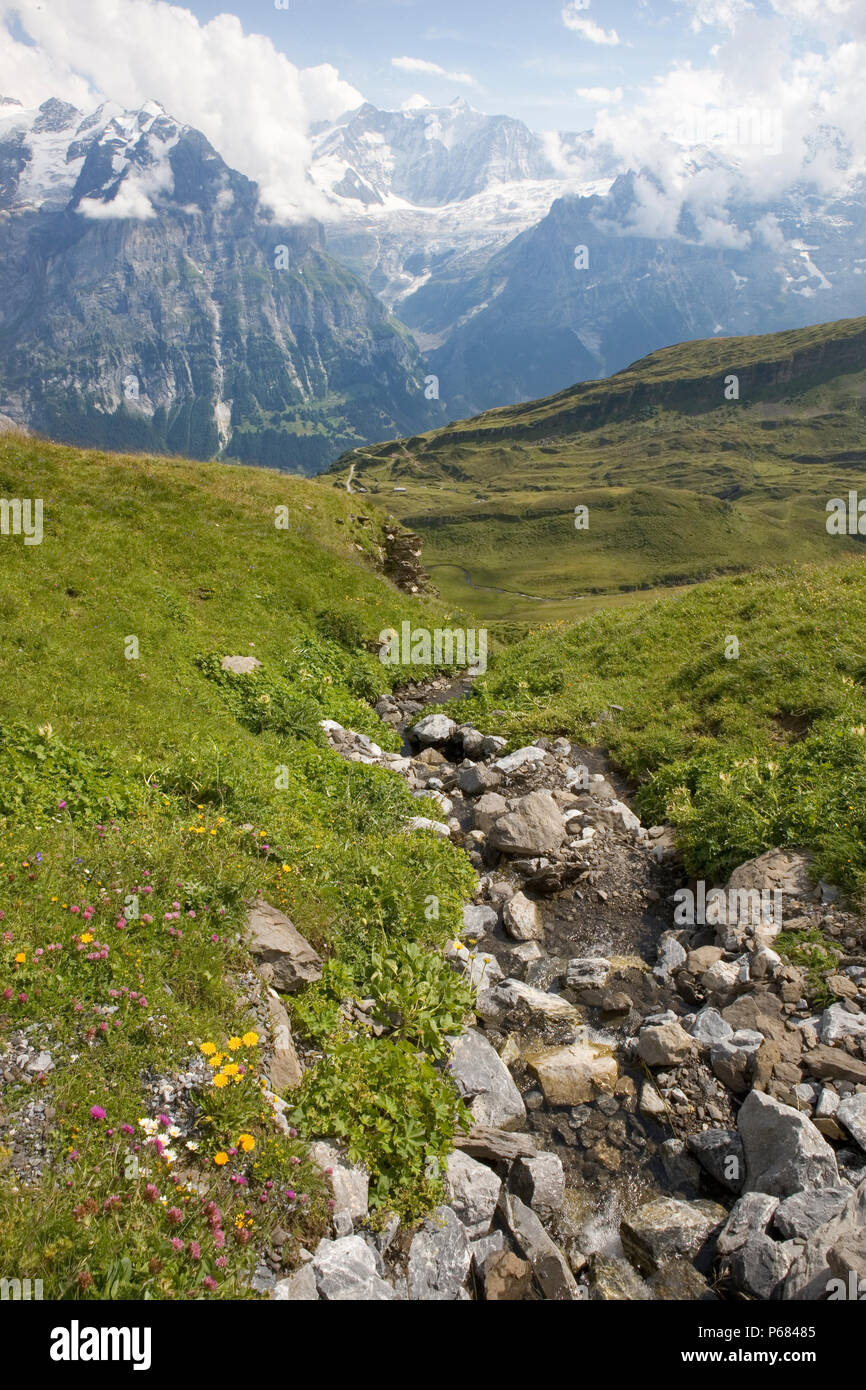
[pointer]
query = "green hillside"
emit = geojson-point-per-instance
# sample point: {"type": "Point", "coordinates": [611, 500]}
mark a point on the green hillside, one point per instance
{"type": "Point", "coordinates": [680, 483]}
{"type": "Point", "coordinates": [163, 779]}
{"type": "Point", "coordinates": [738, 710]}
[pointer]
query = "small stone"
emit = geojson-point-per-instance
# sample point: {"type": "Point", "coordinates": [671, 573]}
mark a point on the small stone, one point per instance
{"type": "Point", "coordinates": [507, 1278]}
{"type": "Point", "coordinates": [665, 1045]}
{"type": "Point", "coordinates": [521, 919]}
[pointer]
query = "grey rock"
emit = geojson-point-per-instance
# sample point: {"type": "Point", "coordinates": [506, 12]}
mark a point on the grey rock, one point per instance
{"type": "Point", "coordinates": [785, 1153]}
{"type": "Point", "coordinates": [667, 1228]}
{"type": "Point", "coordinates": [285, 1067]}
{"type": "Point", "coordinates": [350, 1182]}
{"type": "Point", "coordinates": [522, 919]}
{"type": "Point", "coordinates": [800, 1215]}
{"type": "Point", "coordinates": [612, 1280]}
{"type": "Point", "coordinates": [476, 779]}
{"type": "Point", "coordinates": [539, 1182]}
{"type": "Point", "coordinates": [838, 1023]}
{"type": "Point", "coordinates": [587, 972]}
{"type": "Point", "coordinates": [760, 1266]}
{"type": "Point", "coordinates": [750, 1216]}
{"type": "Point", "coordinates": [346, 1271]}
{"type": "Point", "coordinates": [521, 757]}
{"type": "Point", "coordinates": [485, 1082]}
{"type": "Point", "coordinates": [665, 1045]}
{"type": "Point", "coordinates": [473, 1190]}
{"type": "Point", "coordinates": [478, 920]}
{"type": "Point", "coordinates": [433, 728]}
{"type": "Point", "coordinates": [670, 956]}
{"type": "Point", "coordinates": [488, 809]}
{"type": "Point", "coordinates": [720, 1153]}
{"type": "Point", "coordinates": [300, 1287]}
{"type": "Point", "coordinates": [277, 946]}
{"type": "Point", "coordinates": [439, 1258]}
{"type": "Point", "coordinates": [549, 1265]}
{"type": "Point", "coordinates": [851, 1112]}
{"type": "Point", "coordinates": [709, 1027]}
{"type": "Point", "coordinates": [240, 665]}
{"type": "Point", "coordinates": [535, 826]}
{"type": "Point", "coordinates": [836, 1250]}
{"type": "Point", "coordinates": [482, 1249]}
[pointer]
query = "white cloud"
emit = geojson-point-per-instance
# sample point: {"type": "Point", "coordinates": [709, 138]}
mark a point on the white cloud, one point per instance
{"type": "Point", "coordinates": [131, 201]}
{"type": "Point", "coordinates": [422, 65]}
{"type": "Point", "coordinates": [574, 19]}
{"type": "Point", "coordinates": [607, 96]}
{"type": "Point", "coordinates": [251, 102]}
{"type": "Point", "coordinates": [415, 103]}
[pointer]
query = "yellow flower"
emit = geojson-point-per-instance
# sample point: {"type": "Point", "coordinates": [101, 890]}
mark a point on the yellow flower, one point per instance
{"type": "Point", "coordinates": [208, 1049]}
{"type": "Point", "coordinates": [246, 1142]}
{"type": "Point", "coordinates": [217, 1059]}
{"type": "Point", "coordinates": [250, 1039]}
{"type": "Point", "coordinates": [233, 1043]}
{"type": "Point", "coordinates": [20, 958]}
{"type": "Point", "coordinates": [220, 1080]}
{"type": "Point", "coordinates": [220, 1158]}
{"type": "Point", "coordinates": [230, 1069]}
{"type": "Point", "coordinates": [86, 938]}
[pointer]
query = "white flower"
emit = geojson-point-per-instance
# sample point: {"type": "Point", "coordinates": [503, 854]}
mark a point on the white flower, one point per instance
{"type": "Point", "coordinates": [174, 1131]}
{"type": "Point", "coordinates": [192, 1146]}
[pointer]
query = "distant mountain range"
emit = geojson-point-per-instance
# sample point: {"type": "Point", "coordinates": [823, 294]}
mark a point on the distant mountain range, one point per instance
{"type": "Point", "coordinates": [148, 300]}
{"type": "Point", "coordinates": [469, 227]}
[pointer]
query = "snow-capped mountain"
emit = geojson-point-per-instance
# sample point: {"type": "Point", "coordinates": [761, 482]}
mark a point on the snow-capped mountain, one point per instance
{"type": "Point", "coordinates": [469, 228]}
{"type": "Point", "coordinates": [148, 299]}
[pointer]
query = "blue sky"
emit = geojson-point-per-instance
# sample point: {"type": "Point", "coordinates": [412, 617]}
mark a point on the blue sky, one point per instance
{"type": "Point", "coordinates": [523, 58]}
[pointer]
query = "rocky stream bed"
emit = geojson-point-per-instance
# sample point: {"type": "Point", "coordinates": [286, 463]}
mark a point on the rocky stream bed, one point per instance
{"type": "Point", "coordinates": [659, 1111]}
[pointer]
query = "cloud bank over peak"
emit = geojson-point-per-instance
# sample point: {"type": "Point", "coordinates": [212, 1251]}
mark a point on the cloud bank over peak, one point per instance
{"type": "Point", "coordinates": [251, 102]}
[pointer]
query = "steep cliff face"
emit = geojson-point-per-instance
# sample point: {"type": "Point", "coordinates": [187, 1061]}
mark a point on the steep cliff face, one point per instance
{"type": "Point", "coordinates": [149, 301]}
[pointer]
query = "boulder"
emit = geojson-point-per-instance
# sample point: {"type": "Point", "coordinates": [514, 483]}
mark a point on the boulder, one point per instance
{"type": "Point", "coordinates": [836, 1251]}
{"type": "Point", "coordinates": [667, 1228]}
{"type": "Point", "coordinates": [784, 1151]}
{"type": "Point", "coordinates": [851, 1113]}
{"type": "Point", "coordinates": [439, 1258]}
{"type": "Point", "coordinates": [350, 1182]}
{"type": "Point", "coordinates": [750, 1216]}
{"type": "Point", "coordinates": [720, 1153]}
{"type": "Point", "coordinates": [664, 1045]}
{"type": "Point", "coordinates": [671, 956]}
{"type": "Point", "coordinates": [587, 972]}
{"type": "Point", "coordinates": [759, 1267]}
{"type": "Point", "coordinates": [709, 1028]}
{"type": "Point", "coordinates": [507, 1278]}
{"type": "Point", "coordinates": [479, 920]}
{"type": "Point", "coordinates": [539, 1182]}
{"type": "Point", "coordinates": [346, 1271]}
{"type": "Point", "coordinates": [285, 1069]}
{"type": "Point", "coordinates": [838, 1024]}
{"type": "Point", "coordinates": [535, 826]}
{"type": "Point", "coordinates": [619, 816]}
{"type": "Point", "coordinates": [282, 954]}
{"type": "Point", "coordinates": [433, 728]}
{"type": "Point", "coordinates": [800, 1216]}
{"type": "Point", "coordinates": [488, 809]}
{"type": "Point", "coordinates": [521, 757]}
{"type": "Point", "coordinates": [545, 1006]}
{"type": "Point", "coordinates": [831, 1063]}
{"type": "Point", "coordinates": [300, 1287]}
{"type": "Point", "coordinates": [485, 1083]}
{"type": "Point", "coordinates": [473, 779]}
{"type": "Point", "coordinates": [473, 1190]}
{"type": "Point", "coordinates": [679, 1281]}
{"type": "Point", "coordinates": [522, 919]}
{"type": "Point", "coordinates": [549, 1265]}
{"type": "Point", "coordinates": [573, 1075]}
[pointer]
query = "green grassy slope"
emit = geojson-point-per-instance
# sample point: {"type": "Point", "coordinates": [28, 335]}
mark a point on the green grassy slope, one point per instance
{"type": "Point", "coordinates": [164, 779]}
{"type": "Point", "coordinates": [742, 747]}
{"type": "Point", "coordinates": [681, 484]}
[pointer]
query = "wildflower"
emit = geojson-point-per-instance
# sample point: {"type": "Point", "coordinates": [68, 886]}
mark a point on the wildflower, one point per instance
{"type": "Point", "coordinates": [194, 1250]}
{"type": "Point", "coordinates": [20, 958]}
{"type": "Point", "coordinates": [230, 1069]}
{"type": "Point", "coordinates": [97, 1112]}
{"type": "Point", "coordinates": [176, 1243]}
{"type": "Point", "coordinates": [220, 1081]}
{"type": "Point", "coordinates": [174, 1215]}
{"type": "Point", "coordinates": [86, 938]}
{"type": "Point", "coordinates": [250, 1039]}
{"type": "Point", "coordinates": [234, 1043]}
{"type": "Point", "coordinates": [221, 1260]}
{"type": "Point", "coordinates": [209, 1281]}
{"type": "Point", "coordinates": [7, 993]}
{"type": "Point", "coordinates": [247, 1143]}
{"type": "Point", "coordinates": [151, 1193]}
{"type": "Point", "coordinates": [192, 1145]}
{"type": "Point", "coordinates": [22, 998]}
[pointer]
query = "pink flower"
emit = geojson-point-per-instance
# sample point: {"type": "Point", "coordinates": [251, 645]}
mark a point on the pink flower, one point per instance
{"type": "Point", "coordinates": [175, 1215]}
{"type": "Point", "coordinates": [97, 1112]}
{"type": "Point", "coordinates": [146, 917]}
{"type": "Point", "coordinates": [75, 910]}
{"type": "Point", "coordinates": [120, 924]}
{"type": "Point", "coordinates": [176, 1243]}
{"type": "Point", "coordinates": [209, 1281]}
{"type": "Point", "coordinates": [127, 1129]}
{"type": "Point", "coordinates": [151, 1193]}
{"type": "Point", "coordinates": [194, 1250]}
{"type": "Point", "coordinates": [61, 805]}
{"type": "Point", "coordinates": [221, 1261]}
{"type": "Point", "coordinates": [7, 993]}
